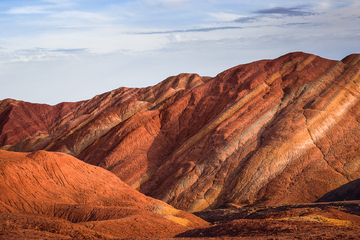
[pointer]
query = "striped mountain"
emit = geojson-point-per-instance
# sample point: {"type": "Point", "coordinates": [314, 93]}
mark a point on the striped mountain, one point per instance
{"type": "Point", "coordinates": [269, 132]}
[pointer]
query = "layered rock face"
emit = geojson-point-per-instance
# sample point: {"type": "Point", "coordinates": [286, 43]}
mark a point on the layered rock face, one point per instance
{"type": "Point", "coordinates": [22, 120]}
{"type": "Point", "coordinates": [40, 190]}
{"type": "Point", "coordinates": [269, 132]}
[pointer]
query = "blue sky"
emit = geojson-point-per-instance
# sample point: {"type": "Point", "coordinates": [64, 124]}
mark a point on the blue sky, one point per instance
{"type": "Point", "coordinates": [69, 50]}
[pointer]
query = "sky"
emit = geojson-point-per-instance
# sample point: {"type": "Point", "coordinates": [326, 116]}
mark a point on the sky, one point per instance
{"type": "Point", "coordinates": [54, 51]}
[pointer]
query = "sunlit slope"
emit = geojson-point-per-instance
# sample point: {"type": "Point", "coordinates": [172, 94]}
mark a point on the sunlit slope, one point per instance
{"type": "Point", "coordinates": [40, 190]}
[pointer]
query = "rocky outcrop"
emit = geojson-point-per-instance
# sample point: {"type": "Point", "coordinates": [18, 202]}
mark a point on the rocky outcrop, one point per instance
{"type": "Point", "coordinates": [40, 190]}
{"type": "Point", "coordinates": [269, 132]}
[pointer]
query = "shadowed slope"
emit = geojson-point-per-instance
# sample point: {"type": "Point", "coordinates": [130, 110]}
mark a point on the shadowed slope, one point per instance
{"type": "Point", "coordinates": [269, 132]}
{"type": "Point", "coordinates": [20, 121]}
{"type": "Point", "coordinates": [48, 187]}
{"type": "Point", "coordinates": [348, 191]}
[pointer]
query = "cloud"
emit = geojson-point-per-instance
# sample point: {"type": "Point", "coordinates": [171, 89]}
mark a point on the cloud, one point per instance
{"type": "Point", "coordinates": [29, 10]}
{"type": "Point", "coordinates": [174, 1]}
{"type": "Point", "coordinates": [45, 7]}
{"type": "Point", "coordinates": [209, 29]}
{"type": "Point", "coordinates": [70, 50]}
{"type": "Point", "coordinates": [266, 13]}
{"type": "Point", "coordinates": [60, 2]}
{"type": "Point", "coordinates": [246, 19]}
{"type": "Point", "coordinates": [293, 11]}
{"type": "Point", "coordinates": [298, 24]}
{"type": "Point", "coordinates": [89, 16]}
{"type": "Point", "coordinates": [39, 54]}
{"type": "Point", "coordinates": [224, 16]}
{"type": "Point", "coordinates": [167, 2]}
{"type": "Point", "coordinates": [325, 4]}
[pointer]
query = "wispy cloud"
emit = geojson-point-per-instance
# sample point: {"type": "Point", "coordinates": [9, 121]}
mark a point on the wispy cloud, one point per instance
{"type": "Point", "coordinates": [246, 19]}
{"type": "Point", "coordinates": [265, 15]}
{"type": "Point", "coordinates": [83, 15]}
{"type": "Point", "coordinates": [209, 29]}
{"type": "Point", "coordinates": [167, 2]}
{"type": "Point", "coordinates": [30, 10]}
{"type": "Point", "coordinates": [225, 17]}
{"type": "Point", "coordinates": [39, 54]}
{"type": "Point", "coordinates": [70, 50]}
{"type": "Point", "coordinates": [298, 24]}
{"type": "Point", "coordinates": [292, 11]}
{"type": "Point", "coordinates": [42, 7]}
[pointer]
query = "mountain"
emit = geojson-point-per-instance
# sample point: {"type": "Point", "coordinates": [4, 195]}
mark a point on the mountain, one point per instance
{"type": "Point", "coordinates": [59, 195]}
{"type": "Point", "coordinates": [279, 131]}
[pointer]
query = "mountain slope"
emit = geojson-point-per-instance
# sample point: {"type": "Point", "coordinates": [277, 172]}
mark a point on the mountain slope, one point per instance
{"type": "Point", "coordinates": [40, 190]}
{"type": "Point", "coordinates": [269, 132]}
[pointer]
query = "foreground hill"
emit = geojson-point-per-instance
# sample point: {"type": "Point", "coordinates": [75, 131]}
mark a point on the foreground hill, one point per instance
{"type": "Point", "coordinates": [47, 195]}
{"type": "Point", "coordinates": [270, 132]}
{"type": "Point", "coordinates": [53, 195]}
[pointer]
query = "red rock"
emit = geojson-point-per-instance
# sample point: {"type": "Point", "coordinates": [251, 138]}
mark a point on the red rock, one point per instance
{"type": "Point", "coordinates": [39, 189]}
{"type": "Point", "coordinates": [269, 132]}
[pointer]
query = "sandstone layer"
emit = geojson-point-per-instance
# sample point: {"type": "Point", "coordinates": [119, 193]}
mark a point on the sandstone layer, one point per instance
{"type": "Point", "coordinates": [54, 195]}
{"type": "Point", "coordinates": [270, 132]}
